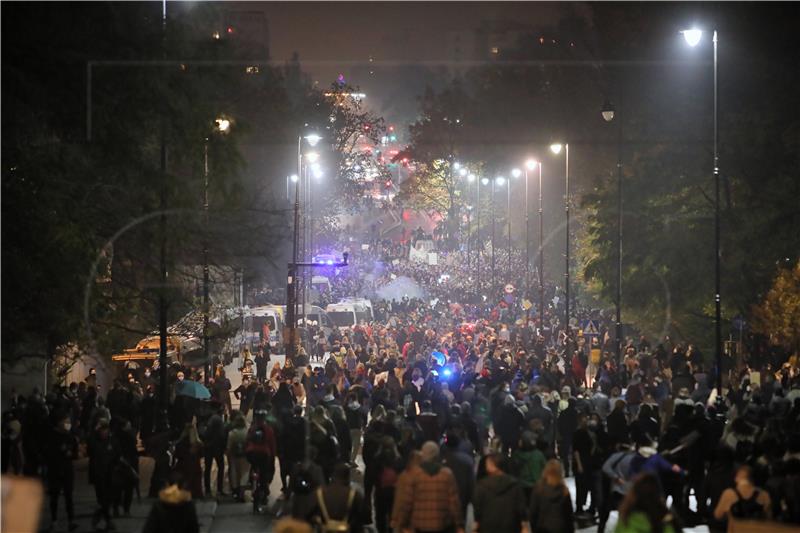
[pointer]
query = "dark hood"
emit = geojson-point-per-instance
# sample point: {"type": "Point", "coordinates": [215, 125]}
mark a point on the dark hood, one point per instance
{"type": "Point", "coordinates": [499, 485]}
{"type": "Point", "coordinates": [431, 468]}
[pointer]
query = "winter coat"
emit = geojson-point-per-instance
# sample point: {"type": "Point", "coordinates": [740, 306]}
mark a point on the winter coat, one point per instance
{"type": "Point", "coordinates": [499, 504]}
{"type": "Point", "coordinates": [463, 468]}
{"type": "Point", "coordinates": [174, 512]}
{"type": "Point", "coordinates": [60, 449]}
{"type": "Point", "coordinates": [427, 499]}
{"type": "Point", "coordinates": [551, 510]}
{"type": "Point", "coordinates": [528, 465]}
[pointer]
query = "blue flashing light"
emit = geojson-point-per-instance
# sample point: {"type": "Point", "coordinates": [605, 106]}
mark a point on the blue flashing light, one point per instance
{"type": "Point", "coordinates": [329, 262]}
{"type": "Point", "coordinates": [447, 372]}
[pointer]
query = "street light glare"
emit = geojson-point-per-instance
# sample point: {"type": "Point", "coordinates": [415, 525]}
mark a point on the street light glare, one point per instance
{"type": "Point", "coordinates": [485, 181]}
{"type": "Point", "coordinates": [530, 164]}
{"type": "Point", "coordinates": [223, 125]}
{"type": "Point", "coordinates": [608, 111]}
{"type": "Point", "coordinates": [316, 170]}
{"type": "Point", "coordinates": [312, 157]}
{"type": "Point", "coordinates": [500, 180]}
{"type": "Point", "coordinates": [556, 148]}
{"type": "Point", "coordinates": [692, 36]}
{"type": "Point", "coordinates": [294, 178]}
{"type": "Point", "coordinates": [516, 172]}
{"type": "Point", "coordinates": [462, 172]}
{"type": "Point", "coordinates": [456, 165]}
{"type": "Point", "coordinates": [471, 178]}
{"type": "Point", "coordinates": [313, 139]}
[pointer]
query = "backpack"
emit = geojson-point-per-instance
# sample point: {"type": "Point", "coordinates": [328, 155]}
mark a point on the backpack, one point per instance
{"type": "Point", "coordinates": [256, 436]}
{"type": "Point", "coordinates": [748, 509]}
{"type": "Point", "coordinates": [330, 525]}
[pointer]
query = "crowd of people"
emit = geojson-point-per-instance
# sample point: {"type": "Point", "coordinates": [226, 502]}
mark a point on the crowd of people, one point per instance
{"type": "Point", "coordinates": [437, 407]}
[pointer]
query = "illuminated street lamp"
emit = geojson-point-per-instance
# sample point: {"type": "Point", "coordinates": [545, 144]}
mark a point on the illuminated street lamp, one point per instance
{"type": "Point", "coordinates": [222, 126]}
{"type": "Point", "coordinates": [556, 149]}
{"type": "Point", "coordinates": [313, 139]}
{"type": "Point", "coordinates": [608, 112]}
{"type": "Point", "coordinates": [693, 37]}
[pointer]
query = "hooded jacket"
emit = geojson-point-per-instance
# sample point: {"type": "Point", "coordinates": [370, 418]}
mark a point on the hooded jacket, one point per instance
{"type": "Point", "coordinates": [551, 510]}
{"type": "Point", "coordinates": [427, 499]}
{"type": "Point", "coordinates": [499, 504]}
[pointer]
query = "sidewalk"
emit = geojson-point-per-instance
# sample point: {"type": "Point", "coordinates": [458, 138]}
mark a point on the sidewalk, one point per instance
{"type": "Point", "coordinates": [85, 505]}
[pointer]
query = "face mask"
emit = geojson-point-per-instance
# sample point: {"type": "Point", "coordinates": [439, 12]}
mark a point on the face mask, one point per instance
{"type": "Point", "coordinates": [180, 378]}
{"type": "Point", "coordinates": [147, 374]}
{"type": "Point", "coordinates": [593, 425]}
{"type": "Point", "coordinates": [67, 426]}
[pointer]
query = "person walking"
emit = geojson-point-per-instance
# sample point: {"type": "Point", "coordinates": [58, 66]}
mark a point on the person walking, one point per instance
{"type": "Point", "coordinates": [551, 504]}
{"type": "Point", "coordinates": [104, 452]}
{"type": "Point", "coordinates": [356, 420]}
{"type": "Point", "coordinates": [499, 500]}
{"type": "Point", "coordinates": [214, 445]}
{"type": "Point", "coordinates": [744, 500]}
{"type": "Point", "coordinates": [338, 507]}
{"type": "Point", "coordinates": [643, 508]}
{"type": "Point", "coordinates": [60, 450]}
{"type": "Point", "coordinates": [427, 500]}
{"type": "Point", "coordinates": [235, 449]}
{"type": "Point", "coordinates": [173, 512]}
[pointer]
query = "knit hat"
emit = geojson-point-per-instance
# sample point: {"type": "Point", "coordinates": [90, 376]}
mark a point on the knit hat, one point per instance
{"type": "Point", "coordinates": [429, 451]}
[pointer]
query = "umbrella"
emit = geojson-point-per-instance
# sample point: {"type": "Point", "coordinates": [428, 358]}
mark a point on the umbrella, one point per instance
{"type": "Point", "coordinates": [192, 389]}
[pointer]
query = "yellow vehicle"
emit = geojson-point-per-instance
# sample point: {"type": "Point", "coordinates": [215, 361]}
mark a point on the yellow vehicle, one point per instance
{"type": "Point", "coordinates": [147, 349]}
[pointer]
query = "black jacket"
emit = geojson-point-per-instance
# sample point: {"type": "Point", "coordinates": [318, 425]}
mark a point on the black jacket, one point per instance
{"type": "Point", "coordinates": [551, 510]}
{"type": "Point", "coordinates": [335, 497]}
{"type": "Point", "coordinates": [499, 505]}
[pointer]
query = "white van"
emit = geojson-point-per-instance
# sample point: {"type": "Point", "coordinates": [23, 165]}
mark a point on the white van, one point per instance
{"type": "Point", "coordinates": [257, 320]}
{"type": "Point", "coordinates": [348, 314]}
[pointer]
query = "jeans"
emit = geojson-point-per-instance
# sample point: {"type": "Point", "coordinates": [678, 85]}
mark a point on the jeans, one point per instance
{"type": "Point", "coordinates": [355, 439]}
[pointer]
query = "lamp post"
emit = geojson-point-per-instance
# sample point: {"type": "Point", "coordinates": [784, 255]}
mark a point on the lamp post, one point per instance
{"type": "Point", "coordinates": [222, 126]}
{"type": "Point", "coordinates": [499, 180]}
{"type": "Point", "coordinates": [290, 331]}
{"type": "Point", "coordinates": [541, 251]}
{"type": "Point", "coordinates": [608, 112]}
{"type": "Point", "coordinates": [470, 179]}
{"type": "Point", "coordinates": [693, 37]}
{"type": "Point", "coordinates": [481, 247]}
{"type": "Point", "coordinates": [556, 149]}
{"type": "Point", "coordinates": [515, 173]}
{"type": "Point", "coordinates": [530, 164]}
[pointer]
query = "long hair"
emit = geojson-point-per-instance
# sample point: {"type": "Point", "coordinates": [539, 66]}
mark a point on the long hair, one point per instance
{"type": "Point", "coordinates": [553, 476]}
{"type": "Point", "coordinates": [645, 496]}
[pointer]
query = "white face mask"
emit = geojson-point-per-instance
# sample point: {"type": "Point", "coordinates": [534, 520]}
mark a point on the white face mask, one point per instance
{"type": "Point", "coordinates": [67, 426]}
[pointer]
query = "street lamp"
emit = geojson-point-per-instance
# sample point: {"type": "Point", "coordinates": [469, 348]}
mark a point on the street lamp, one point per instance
{"type": "Point", "coordinates": [313, 139]}
{"type": "Point", "coordinates": [556, 149]}
{"type": "Point", "coordinates": [693, 37]}
{"type": "Point", "coordinates": [608, 112]}
{"type": "Point", "coordinates": [530, 164]}
{"type": "Point", "coordinates": [221, 126]}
